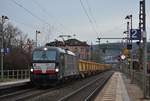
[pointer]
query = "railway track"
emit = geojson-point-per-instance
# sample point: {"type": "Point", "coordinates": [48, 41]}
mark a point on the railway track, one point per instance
{"type": "Point", "coordinates": [68, 91]}
{"type": "Point", "coordinates": [25, 94]}
{"type": "Point", "coordinates": [8, 90]}
{"type": "Point", "coordinates": [88, 91]}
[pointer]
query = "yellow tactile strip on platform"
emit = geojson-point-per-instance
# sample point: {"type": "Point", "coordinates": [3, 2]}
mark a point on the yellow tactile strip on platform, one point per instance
{"type": "Point", "coordinates": [114, 90]}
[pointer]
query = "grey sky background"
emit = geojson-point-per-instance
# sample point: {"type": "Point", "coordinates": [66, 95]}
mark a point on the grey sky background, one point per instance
{"type": "Point", "coordinates": [68, 17]}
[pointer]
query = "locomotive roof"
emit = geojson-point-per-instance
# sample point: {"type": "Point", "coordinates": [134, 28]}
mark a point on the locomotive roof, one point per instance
{"type": "Point", "coordinates": [61, 50]}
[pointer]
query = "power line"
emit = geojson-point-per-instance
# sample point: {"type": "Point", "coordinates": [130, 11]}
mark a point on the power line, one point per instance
{"type": "Point", "coordinates": [11, 21]}
{"type": "Point", "coordinates": [16, 22]}
{"type": "Point", "coordinates": [42, 9]}
{"type": "Point", "coordinates": [90, 11]}
{"type": "Point", "coordinates": [24, 24]}
{"type": "Point", "coordinates": [86, 13]}
{"type": "Point", "coordinates": [29, 12]}
{"type": "Point", "coordinates": [38, 18]}
{"type": "Point", "coordinates": [47, 13]}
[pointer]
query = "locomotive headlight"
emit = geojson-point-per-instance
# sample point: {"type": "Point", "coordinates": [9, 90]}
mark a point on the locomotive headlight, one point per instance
{"type": "Point", "coordinates": [31, 69]}
{"type": "Point", "coordinates": [57, 70]}
{"type": "Point", "coordinates": [45, 48]}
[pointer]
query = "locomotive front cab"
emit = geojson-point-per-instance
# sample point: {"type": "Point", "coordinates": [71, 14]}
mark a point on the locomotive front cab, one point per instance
{"type": "Point", "coordinates": [45, 67]}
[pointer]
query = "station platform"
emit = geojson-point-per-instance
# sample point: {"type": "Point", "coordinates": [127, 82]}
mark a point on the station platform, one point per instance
{"type": "Point", "coordinates": [119, 88]}
{"type": "Point", "coordinates": [12, 83]}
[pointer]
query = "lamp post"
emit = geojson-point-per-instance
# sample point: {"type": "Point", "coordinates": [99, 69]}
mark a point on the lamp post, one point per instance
{"type": "Point", "coordinates": [130, 42]}
{"type": "Point", "coordinates": [99, 40]}
{"type": "Point", "coordinates": [37, 32]}
{"type": "Point", "coordinates": [2, 45]}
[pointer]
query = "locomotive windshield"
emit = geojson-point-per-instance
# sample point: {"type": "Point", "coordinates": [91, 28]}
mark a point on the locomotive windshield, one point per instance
{"type": "Point", "coordinates": [44, 55]}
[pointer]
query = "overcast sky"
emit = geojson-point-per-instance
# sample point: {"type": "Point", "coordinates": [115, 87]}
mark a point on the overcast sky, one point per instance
{"type": "Point", "coordinates": [68, 17]}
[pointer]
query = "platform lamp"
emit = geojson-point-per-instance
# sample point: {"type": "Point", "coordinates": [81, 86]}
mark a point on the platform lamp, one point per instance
{"type": "Point", "coordinates": [3, 18]}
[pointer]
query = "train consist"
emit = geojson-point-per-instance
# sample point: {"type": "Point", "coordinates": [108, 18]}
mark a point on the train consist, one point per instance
{"type": "Point", "coordinates": [52, 64]}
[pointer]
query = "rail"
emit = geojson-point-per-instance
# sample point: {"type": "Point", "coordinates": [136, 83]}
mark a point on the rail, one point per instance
{"type": "Point", "coordinates": [16, 74]}
{"type": "Point", "coordinates": [89, 91]}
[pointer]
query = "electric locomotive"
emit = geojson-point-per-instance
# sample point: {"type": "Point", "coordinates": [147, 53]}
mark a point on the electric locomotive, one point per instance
{"type": "Point", "coordinates": [51, 65]}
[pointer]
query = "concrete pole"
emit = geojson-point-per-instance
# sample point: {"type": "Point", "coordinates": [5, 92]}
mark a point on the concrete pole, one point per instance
{"type": "Point", "coordinates": [144, 50]}
{"type": "Point", "coordinates": [144, 62]}
{"type": "Point", "coordinates": [129, 70]}
{"type": "Point", "coordinates": [2, 50]}
{"type": "Point", "coordinates": [99, 40]}
{"type": "Point", "coordinates": [36, 37]}
{"type": "Point", "coordinates": [131, 65]}
{"type": "Point", "coordinates": [37, 32]}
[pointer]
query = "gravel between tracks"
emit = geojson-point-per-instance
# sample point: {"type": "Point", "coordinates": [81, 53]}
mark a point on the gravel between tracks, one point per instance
{"type": "Point", "coordinates": [57, 94]}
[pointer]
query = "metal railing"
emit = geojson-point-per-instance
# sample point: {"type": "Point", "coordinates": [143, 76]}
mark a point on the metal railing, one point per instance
{"type": "Point", "coordinates": [16, 74]}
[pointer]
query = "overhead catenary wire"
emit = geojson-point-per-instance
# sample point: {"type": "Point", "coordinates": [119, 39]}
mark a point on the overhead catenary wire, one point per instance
{"type": "Point", "coordinates": [27, 10]}
{"type": "Point", "coordinates": [11, 21]}
{"type": "Point", "coordinates": [43, 9]}
{"type": "Point", "coordinates": [90, 11]}
{"type": "Point", "coordinates": [22, 23]}
{"type": "Point", "coordinates": [86, 13]}
{"type": "Point", "coordinates": [16, 23]}
{"type": "Point", "coordinates": [34, 15]}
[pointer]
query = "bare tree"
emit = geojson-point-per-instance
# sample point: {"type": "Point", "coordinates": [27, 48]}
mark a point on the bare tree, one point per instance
{"type": "Point", "coordinates": [10, 34]}
{"type": "Point", "coordinates": [20, 48]}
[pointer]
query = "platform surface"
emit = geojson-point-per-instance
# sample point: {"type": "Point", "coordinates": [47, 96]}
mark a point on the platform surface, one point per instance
{"type": "Point", "coordinates": [120, 88]}
{"type": "Point", "coordinates": [8, 83]}
{"type": "Point", "coordinates": [114, 90]}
